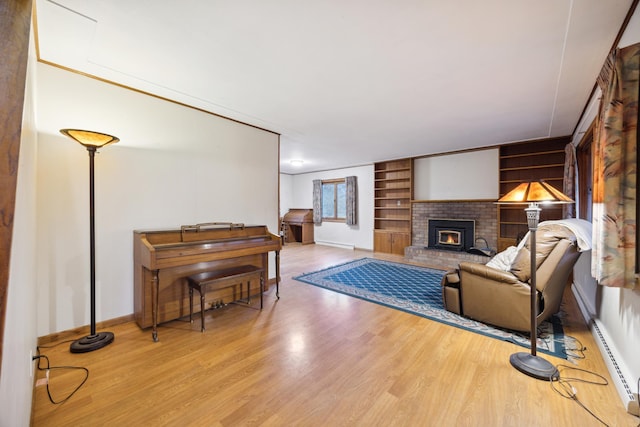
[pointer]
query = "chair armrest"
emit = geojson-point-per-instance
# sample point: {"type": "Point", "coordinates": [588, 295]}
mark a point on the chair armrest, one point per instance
{"type": "Point", "coordinates": [488, 272]}
{"type": "Point", "coordinates": [450, 278]}
{"type": "Point", "coordinates": [494, 296]}
{"type": "Point", "coordinates": [451, 291]}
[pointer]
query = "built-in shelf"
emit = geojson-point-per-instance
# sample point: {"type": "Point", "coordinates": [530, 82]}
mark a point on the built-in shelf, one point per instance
{"type": "Point", "coordinates": [393, 192]}
{"type": "Point", "coordinates": [527, 161]}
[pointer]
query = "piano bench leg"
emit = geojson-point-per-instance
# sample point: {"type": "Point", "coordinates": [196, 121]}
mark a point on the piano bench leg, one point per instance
{"type": "Point", "coordinates": [201, 311]}
{"type": "Point", "coordinates": [237, 275]}
{"type": "Point", "coordinates": [190, 304]}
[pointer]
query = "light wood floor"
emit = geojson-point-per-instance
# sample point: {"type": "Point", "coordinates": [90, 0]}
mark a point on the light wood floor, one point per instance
{"type": "Point", "coordinates": [315, 358]}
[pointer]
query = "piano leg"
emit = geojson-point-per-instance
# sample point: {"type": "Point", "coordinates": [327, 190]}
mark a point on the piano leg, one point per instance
{"type": "Point", "coordinates": [278, 274]}
{"type": "Point", "coordinates": [261, 288]}
{"type": "Point", "coordinates": [155, 300]}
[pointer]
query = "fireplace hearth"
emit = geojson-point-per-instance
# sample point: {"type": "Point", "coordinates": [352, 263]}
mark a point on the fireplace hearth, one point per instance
{"type": "Point", "coordinates": [451, 234]}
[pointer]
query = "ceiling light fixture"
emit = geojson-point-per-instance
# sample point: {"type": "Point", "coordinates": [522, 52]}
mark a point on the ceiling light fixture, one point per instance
{"type": "Point", "coordinates": [296, 162]}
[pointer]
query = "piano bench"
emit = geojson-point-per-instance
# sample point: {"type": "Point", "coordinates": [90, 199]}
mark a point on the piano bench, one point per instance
{"type": "Point", "coordinates": [200, 281]}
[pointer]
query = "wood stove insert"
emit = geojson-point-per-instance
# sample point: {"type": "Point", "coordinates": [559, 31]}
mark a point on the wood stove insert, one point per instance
{"type": "Point", "coordinates": [451, 234]}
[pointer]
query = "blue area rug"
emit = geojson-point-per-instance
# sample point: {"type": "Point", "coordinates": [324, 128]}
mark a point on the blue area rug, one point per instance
{"type": "Point", "coordinates": [417, 290]}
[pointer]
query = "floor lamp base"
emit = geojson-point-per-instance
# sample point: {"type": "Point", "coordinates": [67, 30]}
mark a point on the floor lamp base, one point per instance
{"type": "Point", "coordinates": [92, 342]}
{"type": "Point", "coordinates": [534, 366]}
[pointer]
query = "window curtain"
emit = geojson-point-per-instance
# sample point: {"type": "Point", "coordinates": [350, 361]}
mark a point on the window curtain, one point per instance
{"type": "Point", "coordinates": [317, 201]}
{"type": "Point", "coordinates": [352, 199]}
{"type": "Point", "coordinates": [614, 171]}
{"type": "Point", "coordinates": [569, 183]}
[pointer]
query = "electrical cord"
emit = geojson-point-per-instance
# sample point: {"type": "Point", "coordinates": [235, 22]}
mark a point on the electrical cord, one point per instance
{"type": "Point", "coordinates": [576, 352]}
{"type": "Point", "coordinates": [544, 342]}
{"type": "Point", "coordinates": [50, 368]}
{"type": "Point", "coordinates": [566, 389]}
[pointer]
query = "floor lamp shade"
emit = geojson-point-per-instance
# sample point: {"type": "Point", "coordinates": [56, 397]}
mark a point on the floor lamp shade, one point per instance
{"type": "Point", "coordinates": [533, 194]}
{"type": "Point", "coordinates": [91, 141]}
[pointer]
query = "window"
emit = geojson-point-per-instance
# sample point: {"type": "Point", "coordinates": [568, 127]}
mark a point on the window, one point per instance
{"type": "Point", "coordinates": [334, 200]}
{"type": "Point", "coordinates": [585, 175]}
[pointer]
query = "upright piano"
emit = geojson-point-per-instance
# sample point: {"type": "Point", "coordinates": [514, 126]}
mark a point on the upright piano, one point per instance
{"type": "Point", "coordinates": [164, 258]}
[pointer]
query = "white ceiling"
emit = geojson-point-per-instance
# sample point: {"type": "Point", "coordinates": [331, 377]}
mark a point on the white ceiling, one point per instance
{"type": "Point", "coordinates": [348, 83]}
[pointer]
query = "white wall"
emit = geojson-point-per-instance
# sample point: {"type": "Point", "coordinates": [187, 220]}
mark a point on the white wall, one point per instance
{"type": "Point", "coordinates": [461, 176]}
{"type": "Point", "coordinates": [615, 311]}
{"type": "Point", "coordinates": [336, 233]}
{"type": "Point", "coordinates": [224, 171]}
{"type": "Point", "coordinates": [20, 336]}
{"type": "Point", "coordinates": [286, 193]}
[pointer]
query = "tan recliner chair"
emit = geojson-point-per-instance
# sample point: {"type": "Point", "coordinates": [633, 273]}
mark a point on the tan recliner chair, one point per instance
{"type": "Point", "coordinates": [502, 298]}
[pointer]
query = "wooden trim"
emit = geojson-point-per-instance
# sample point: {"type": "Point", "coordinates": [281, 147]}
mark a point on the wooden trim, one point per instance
{"type": "Point", "coordinates": [614, 46]}
{"type": "Point", "coordinates": [448, 153]}
{"type": "Point", "coordinates": [15, 17]}
{"type": "Point", "coordinates": [334, 181]}
{"type": "Point", "coordinates": [519, 168]}
{"type": "Point", "coordinates": [585, 173]}
{"type": "Point", "coordinates": [490, 147]}
{"type": "Point", "coordinates": [541, 153]}
{"type": "Point", "coordinates": [162, 98]}
{"type": "Point", "coordinates": [72, 334]}
{"type": "Point", "coordinates": [587, 137]}
{"type": "Point", "coordinates": [103, 80]}
{"type": "Point", "coordinates": [456, 201]}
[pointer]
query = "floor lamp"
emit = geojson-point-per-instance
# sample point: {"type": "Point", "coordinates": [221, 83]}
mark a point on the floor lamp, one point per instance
{"type": "Point", "coordinates": [534, 194]}
{"type": "Point", "coordinates": [91, 141]}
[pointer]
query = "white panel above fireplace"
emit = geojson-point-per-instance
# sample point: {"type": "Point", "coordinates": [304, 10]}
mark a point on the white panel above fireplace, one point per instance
{"type": "Point", "coordinates": [463, 176]}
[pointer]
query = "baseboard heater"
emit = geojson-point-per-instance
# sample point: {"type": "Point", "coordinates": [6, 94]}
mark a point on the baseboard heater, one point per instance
{"type": "Point", "coordinates": [628, 396]}
{"type": "Point", "coordinates": [335, 244]}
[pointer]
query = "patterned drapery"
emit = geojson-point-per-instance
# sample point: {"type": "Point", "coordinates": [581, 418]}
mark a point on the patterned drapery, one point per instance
{"type": "Point", "coordinates": [317, 201]}
{"type": "Point", "coordinates": [569, 182]}
{"type": "Point", "coordinates": [352, 199]}
{"type": "Point", "coordinates": [614, 171]}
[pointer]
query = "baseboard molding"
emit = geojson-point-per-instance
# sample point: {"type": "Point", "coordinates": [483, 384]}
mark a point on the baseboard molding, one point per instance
{"type": "Point", "coordinates": [335, 244]}
{"type": "Point", "coordinates": [628, 396]}
{"type": "Point", "coordinates": [81, 331]}
{"type": "Point", "coordinates": [587, 309]}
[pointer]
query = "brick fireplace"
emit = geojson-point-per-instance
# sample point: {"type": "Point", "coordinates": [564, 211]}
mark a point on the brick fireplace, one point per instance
{"type": "Point", "coordinates": [483, 213]}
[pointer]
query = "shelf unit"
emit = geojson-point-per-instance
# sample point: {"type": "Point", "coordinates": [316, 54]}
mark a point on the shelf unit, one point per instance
{"type": "Point", "coordinates": [528, 161]}
{"type": "Point", "coordinates": [393, 192]}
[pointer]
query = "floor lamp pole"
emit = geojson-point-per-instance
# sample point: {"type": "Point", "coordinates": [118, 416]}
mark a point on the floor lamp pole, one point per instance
{"type": "Point", "coordinates": [529, 363]}
{"type": "Point", "coordinates": [93, 341]}
{"type": "Point", "coordinates": [533, 291]}
{"type": "Point", "coordinates": [92, 235]}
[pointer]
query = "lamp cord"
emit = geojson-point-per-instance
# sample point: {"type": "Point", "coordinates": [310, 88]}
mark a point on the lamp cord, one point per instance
{"type": "Point", "coordinates": [566, 389]}
{"type": "Point", "coordinates": [48, 368]}
{"type": "Point", "coordinates": [576, 352]}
